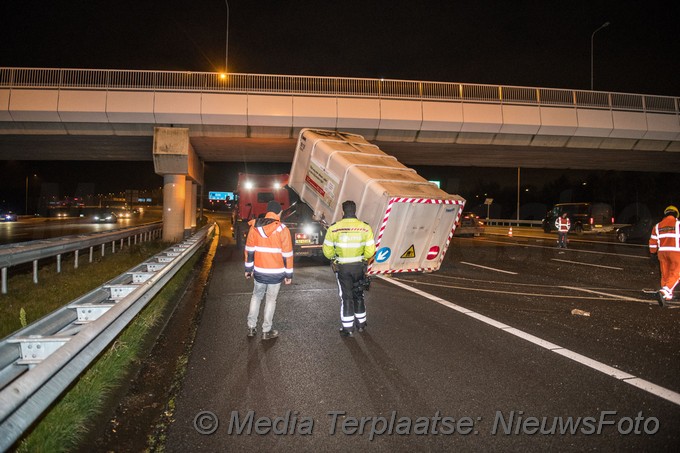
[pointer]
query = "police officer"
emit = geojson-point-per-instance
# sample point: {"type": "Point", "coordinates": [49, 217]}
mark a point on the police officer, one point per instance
{"type": "Point", "coordinates": [349, 244]}
{"type": "Point", "coordinates": [665, 243]}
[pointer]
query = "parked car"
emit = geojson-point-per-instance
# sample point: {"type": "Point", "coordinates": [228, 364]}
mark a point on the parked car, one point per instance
{"type": "Point", "coordinates": [104, 217]}
{"type": "Point", "coordinates": [8, 216]}
{"type": "Point", "coordinates": [583, 217]}
{"type": "Point", "coordinates": [639, 230]}
{"type": "Point", "coordinates": [470, 225]}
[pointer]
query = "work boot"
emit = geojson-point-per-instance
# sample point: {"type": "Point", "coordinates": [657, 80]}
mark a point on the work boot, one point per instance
{"type": "Point", "coordinates": [252, 331]}
{"type": "Point", "coordinates": [269, 335]}
{"type": "Point", "coordinates": [345, 333]}
{"type": "Point", "coordinates": [661, 299]}
{"type": "Point", "coordinates": [362, 327]}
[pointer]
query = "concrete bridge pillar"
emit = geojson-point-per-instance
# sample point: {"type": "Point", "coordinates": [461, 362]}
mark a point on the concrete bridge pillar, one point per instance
{"type": "Point", "coordinates": [174, 207]}
{"type": "Point", "coordinates": [182, 171]}
{"type": "Point", "coordinates": [190, 207]}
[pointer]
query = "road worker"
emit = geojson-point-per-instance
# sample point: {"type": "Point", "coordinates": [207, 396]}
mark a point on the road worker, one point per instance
{"type": "Point", "coordinates": [563, 224]}
{"type": "Point", "coordinates": [665, 244]}
{"type": "Point", "coordinates": [349, 244]}
{"type": "Point", "coordinates": [269, 259]}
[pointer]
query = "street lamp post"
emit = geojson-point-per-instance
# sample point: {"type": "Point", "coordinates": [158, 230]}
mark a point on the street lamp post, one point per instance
{"type": "Point", "coordinates": [26, 207]}
{"type": "Point", "coordinates": [226, 56]}
{"type": "Point", "coordinates": [592, 37]}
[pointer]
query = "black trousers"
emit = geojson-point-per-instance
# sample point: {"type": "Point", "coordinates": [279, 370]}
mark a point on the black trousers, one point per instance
{"type": "Point", "coordinates": [351, 285]}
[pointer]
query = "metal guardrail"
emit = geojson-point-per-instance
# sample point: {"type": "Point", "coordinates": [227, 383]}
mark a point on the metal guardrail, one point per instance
{"type": "Point", "coordinates": [33, 251]}
{"type": "Point", "coordinates": [112, 79]}
{"type": "Point", "coordinates": [513, 222]}
{"type": "Point", "coordinates": [40, 361]}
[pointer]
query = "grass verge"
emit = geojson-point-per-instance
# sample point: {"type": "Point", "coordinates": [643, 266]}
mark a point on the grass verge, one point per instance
{"type": "Point", "coordinates": [65, 426]}
{"type": "Point", "coordinates": [27, 301]}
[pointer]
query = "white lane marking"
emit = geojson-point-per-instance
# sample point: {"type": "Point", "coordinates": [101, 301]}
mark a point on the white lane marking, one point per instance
{"type": "Point", "coordinates": [642, 384]}
{"type": "Point", "coordinates": [632, 299]}
{"type": "Point", "coordinates": [489, 268]}
{"type": "Point", "coordinates": [536, 285]}
{"type": "Point", "coordinates": [515, 293]}
{"type": "Point", "coordinates": [587, 264]}
{"type": "Point", "coordinates": [595, 252]}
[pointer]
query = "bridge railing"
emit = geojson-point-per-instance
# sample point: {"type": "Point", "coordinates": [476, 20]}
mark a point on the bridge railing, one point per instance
{"type": "Point", "coordinates": [113, 79]}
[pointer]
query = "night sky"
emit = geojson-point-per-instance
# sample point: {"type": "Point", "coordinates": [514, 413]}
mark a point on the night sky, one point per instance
{"type": "Point", "coordinates": [522, 43]}
{"type": "Point", "coordinates": [526, 43]}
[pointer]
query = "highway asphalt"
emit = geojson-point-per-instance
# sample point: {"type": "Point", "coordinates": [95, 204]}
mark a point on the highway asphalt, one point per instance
{"type": "Point", "coordinates": [486, 354]}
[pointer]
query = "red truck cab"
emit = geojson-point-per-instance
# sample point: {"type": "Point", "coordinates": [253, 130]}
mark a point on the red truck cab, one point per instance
{"type": "Point", "coordinates": [252, 194]}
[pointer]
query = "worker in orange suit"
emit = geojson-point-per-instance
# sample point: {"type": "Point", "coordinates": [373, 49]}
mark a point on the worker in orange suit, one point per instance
{"type": "Point", "coordinates": [665, 244]}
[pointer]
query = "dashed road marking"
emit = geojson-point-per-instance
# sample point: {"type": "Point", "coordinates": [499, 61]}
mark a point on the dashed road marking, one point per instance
{"type": "Point", "coordinates": [488, 268]}
{"type": "Point", "coordinates": [594, 252]}
{"type": "Point", "coordinates": [661, 392]}
{"type": "Point", "coordinates": [632, 299]}
{"type": "Point", "coordinates": [516, 293]}
{"type": "Point", "coordinates": [587, 264]}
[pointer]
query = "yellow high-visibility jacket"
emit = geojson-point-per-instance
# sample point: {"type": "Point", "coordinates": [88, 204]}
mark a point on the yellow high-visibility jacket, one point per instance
{"type": "Point", "coordinates": [349, 240]}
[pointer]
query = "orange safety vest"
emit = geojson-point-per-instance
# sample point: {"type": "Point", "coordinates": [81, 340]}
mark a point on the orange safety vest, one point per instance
{"type": "Point", "coordinates": [269, 250]}
{"type": "Point", "coordinates": [665, 236]}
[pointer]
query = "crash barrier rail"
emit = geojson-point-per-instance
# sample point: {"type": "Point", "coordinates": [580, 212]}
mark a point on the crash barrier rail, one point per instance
{"type": "Point", "coordinates": [513, 222]}
{"type": "Point", "coordinates": [40, 361]}
{"type": "Point", "coordinates": [110, 79]}
{"type": "Point", "coordinates": [33, 251]}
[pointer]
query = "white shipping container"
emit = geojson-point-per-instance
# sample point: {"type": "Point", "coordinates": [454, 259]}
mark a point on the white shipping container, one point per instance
{"type": "Point", "coordinates": [412, 219]}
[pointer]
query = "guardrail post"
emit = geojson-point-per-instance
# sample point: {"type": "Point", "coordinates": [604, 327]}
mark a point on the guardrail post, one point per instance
{"type": "Point", "coordinates": [75, 260]}
{"type": "Point", "coordinates": [4, 280]}
{"type": "Point", "coordinates": [58, 264]}
{"type": "Point", "coordinates": [91, 253]}
{"type": "Point", "coordinates": [113, 246]}
{"type": "Point", "coordinates": [103, 249]}
{"type": "Point", "coordinates": [35, 271]}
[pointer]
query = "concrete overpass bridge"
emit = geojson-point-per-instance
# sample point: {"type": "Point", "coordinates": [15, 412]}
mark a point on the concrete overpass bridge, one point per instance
{"type": "Point", "coordinates": [182, 119]}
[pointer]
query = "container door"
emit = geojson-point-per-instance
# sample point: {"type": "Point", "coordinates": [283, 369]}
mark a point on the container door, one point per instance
{"type": "Point", "coordinates": [415, 236]}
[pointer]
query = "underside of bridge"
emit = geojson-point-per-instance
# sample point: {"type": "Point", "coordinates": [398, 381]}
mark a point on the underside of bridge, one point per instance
{"type": "Point", "coordinates": [221, 149]}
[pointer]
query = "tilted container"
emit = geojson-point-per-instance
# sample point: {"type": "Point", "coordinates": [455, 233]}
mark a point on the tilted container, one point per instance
{"type": "Point", "coordinates": [412, 219]}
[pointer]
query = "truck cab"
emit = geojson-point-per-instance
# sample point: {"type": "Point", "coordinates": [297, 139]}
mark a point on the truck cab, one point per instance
{"type": "Point", "coordinates": [252, 194]}
{"type": "Point", "coordinates": [251, 198]}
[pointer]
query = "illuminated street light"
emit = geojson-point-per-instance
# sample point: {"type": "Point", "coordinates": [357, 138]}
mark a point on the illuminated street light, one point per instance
{"type": "Point", "coordinates": [606, 24]}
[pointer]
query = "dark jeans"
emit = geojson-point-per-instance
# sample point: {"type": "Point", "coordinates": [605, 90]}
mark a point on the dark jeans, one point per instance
{"type": "Point", "coordinates": [562, 239]}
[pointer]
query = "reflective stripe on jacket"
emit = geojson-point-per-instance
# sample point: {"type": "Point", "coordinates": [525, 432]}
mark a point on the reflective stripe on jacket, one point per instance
{"type": "Point", "coordinates": [665, 236]}
{"type": "Point", "coordinates": [349, 240]}
{"type": "Point", "coordinates": [269, 250]}
{"type": "Point", "coordinates": [562, 225]}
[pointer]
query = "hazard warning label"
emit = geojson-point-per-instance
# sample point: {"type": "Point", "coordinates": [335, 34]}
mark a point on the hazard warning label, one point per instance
{"type": "Point", "coordinates": [410, 253]}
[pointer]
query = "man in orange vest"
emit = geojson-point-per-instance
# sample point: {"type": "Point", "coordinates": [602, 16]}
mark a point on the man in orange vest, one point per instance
{"type": "Point", "coordinates": [269, 259]}
{"type": "Point", "coordinates": [665, 243]}
{"type": "Point", "coordinates": [563, 225]}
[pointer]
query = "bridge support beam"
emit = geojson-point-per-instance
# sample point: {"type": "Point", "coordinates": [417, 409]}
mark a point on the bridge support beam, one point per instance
{"type": "Point", "coordinates": [182, 171]}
